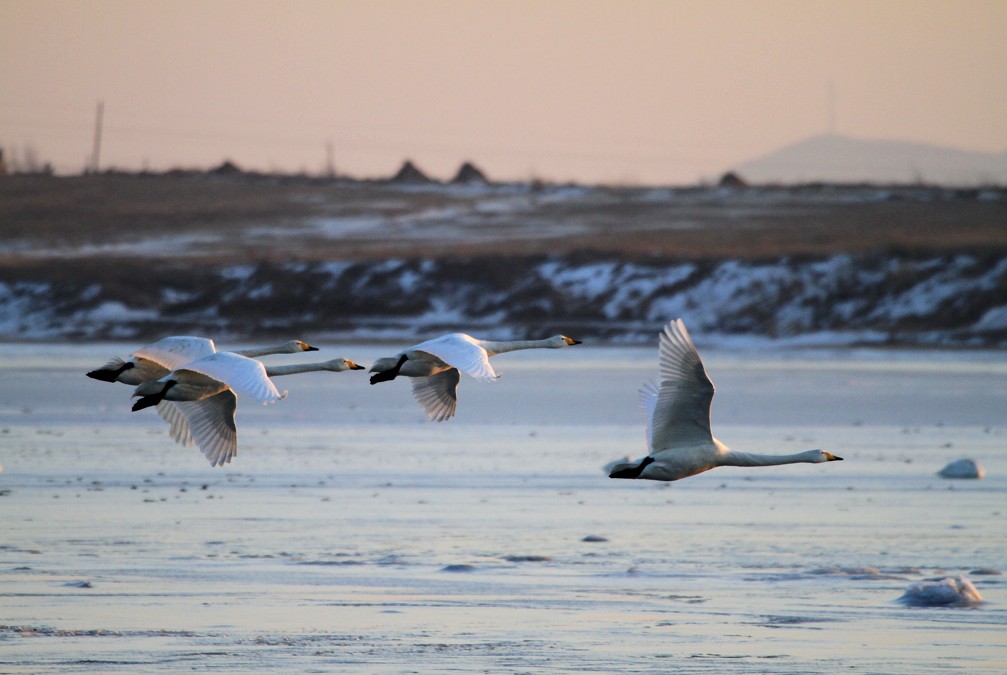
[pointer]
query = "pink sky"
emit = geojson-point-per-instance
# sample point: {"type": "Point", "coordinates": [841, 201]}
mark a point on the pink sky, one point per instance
{"type": "Point", "coordinates": [637, 92]}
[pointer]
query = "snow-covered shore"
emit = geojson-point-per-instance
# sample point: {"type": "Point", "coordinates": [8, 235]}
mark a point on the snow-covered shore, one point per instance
{"type": "Point", "coordinates": [958, 300]}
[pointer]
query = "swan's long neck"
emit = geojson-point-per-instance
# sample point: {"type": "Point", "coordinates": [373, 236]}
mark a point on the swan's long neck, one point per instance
{"type": "Point", "coordinates": [294, 369]}
{"type": "Point", "coordinates": [263, 351]}
{"type": "Point", "coordinates": [494, 348]}
{"type": "Point", "coordinates": [735, 458]}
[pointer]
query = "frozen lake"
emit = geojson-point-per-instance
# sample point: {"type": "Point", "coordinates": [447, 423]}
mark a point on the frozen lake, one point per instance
{"type": "Point", "coordinates": [350, 535]}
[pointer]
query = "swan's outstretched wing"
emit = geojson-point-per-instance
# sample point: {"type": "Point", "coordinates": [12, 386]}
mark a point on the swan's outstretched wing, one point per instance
{"type": "Point", "coordinates": [648, 402]}
{"type": "Point", "coordinates": [438, 394]}
{"type": "Point", "coordinates": [211, 422]}
{"type": "Point", "coordinates": [176, 351]}
{"type": "Point", "coordinates": [178, 428]}
{"type": "Point", "coordinates": [247, 377]}
{"type": "Point", "coordinates": [462, 352]}
{"type": "Point", "coordinates": [681, 413]}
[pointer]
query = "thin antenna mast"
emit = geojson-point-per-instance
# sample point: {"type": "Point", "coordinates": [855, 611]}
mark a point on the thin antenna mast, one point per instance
{"type": "Point", "coordinates": [96, 153]}
{"type": "Point", "coordinates": [330, 161]}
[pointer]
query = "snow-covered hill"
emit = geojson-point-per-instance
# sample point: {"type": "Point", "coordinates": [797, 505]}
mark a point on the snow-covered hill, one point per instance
{"type": "Point", "coordinates": [842, 159]}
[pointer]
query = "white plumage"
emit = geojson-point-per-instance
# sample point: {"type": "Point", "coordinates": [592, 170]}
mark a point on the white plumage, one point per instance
{"type": "Point", "coordinates": [435, 366]}
{"type": "Point", "coordinates": [154, 361]}
{"type": "Point", "coordinates": [204, 396]}
{"type": "Point", "coordinates": [677, 406]}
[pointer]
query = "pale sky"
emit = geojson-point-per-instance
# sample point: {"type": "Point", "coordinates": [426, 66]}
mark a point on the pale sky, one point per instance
{"type": "Point", "coordinates": [592, 91]}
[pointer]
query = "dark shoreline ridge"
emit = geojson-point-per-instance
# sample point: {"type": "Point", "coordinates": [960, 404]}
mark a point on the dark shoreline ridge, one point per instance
{"type": "Point", "coordinates": [872, 299]}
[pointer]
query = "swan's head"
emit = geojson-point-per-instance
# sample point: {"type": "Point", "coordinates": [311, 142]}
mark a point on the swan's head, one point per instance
{"type": "Point", "coordinates": [341, 364]}
{"type": "Point", "coordinates": [819, 456]}
{"type": "Point", "coordinates": [296, 347]}
{"type": "Point", "coordinates": [560, 341]}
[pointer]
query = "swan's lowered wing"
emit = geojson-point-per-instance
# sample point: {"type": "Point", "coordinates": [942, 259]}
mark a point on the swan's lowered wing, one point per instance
{"type": "Point", "coordinates": [438, 394]}
{"type": "Point", "coordinates": [681, 412]}
{"type": "Point", "coordinates": [178, 428]}
{"type": "Point", "coordinates": [176, 351]}
{"type": "Point", "coordinates": [211, 423]}
{"type": "Point", "coordinates": [247, 377]}
{"type": "Point", "coordinates": [462, 352]}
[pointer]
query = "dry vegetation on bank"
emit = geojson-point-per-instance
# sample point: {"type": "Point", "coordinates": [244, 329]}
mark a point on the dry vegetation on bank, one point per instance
{"type": "Point", "coordinates": [63, 213]}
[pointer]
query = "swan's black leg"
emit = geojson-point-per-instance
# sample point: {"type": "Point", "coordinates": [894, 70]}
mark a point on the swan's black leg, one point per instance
{"type": "Point", "coordinates": [633, 471]}
{"type": "Point", "coordinates": [391, 373]}
{"type": "Point", "coordinates": [153, 399]}
{"type": "Point", "coordinates": [109, 374]}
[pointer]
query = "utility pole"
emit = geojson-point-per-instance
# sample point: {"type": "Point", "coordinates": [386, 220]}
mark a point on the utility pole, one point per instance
{"type": "Point", "coordinates": [96, 153]}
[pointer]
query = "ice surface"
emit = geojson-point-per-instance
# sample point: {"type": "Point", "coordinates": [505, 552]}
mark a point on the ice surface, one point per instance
{"type": "Point", "coordinates": [350, 535]}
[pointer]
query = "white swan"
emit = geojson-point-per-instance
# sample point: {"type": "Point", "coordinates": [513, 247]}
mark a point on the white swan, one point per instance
{"type": "Point", "coordinates": [157, 359]}
{"type": "Point", "coordinates": [204, 396]}
{"type": "Point", "coordinates": [678, 420]}
{"type": "Point", "coordinates": [434, 365]}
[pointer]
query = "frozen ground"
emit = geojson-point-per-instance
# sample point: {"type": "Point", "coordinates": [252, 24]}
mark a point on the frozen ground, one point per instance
{"type": "Point", "coordinates": [349, 535]}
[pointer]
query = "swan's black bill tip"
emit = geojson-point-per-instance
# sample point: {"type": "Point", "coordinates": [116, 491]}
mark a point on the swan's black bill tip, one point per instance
{"type": "Point", "coordinates": [356, 367]}
{"type": "Point", "coordinates": [103, 375]}
{"type": "Point", "coordinates": [309, 348]}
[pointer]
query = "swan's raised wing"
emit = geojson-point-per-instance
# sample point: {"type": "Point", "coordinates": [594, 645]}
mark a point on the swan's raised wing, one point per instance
{"type": "Point", "coordinates": [648, 402]}
{"type": "Point", "coordinates": [211, 422]}
{"type": "Point", "coordinates": [247, 377]}
{"type": "Point", "coordinates": [178, 428]}
{"type": "Point", "coordinates": [176, 351]}
{"type": "Point", "coordinates": [438, 394]}
{"type": "Point", "coordinates": [681, 412]}
{"type": "Point", "coordinates": [462, 352]}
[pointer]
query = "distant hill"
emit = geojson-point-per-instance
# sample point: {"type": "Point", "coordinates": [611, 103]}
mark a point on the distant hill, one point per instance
{"type": "Point", "coordinates": [840, 159]}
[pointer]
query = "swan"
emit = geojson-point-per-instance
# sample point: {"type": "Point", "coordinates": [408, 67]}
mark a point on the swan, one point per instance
{"type": "Point", "coordinates": [204, 396]}
{"type": "Point", "coordinates": [157, 359]}
{"type": "Point", "coordinates": [678, 420]}
{"type": "Point", "coordinates": [434, 366]}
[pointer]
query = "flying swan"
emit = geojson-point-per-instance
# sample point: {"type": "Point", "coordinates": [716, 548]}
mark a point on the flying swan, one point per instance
{"type": "Point", "coordinates": [434, 367]}
{"type": "Point", "coordinates": [154, 361]}
{"type": "Point", "coordinates": [204, 394]}
{"type": "Point", "coordinates": [677, 406]}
